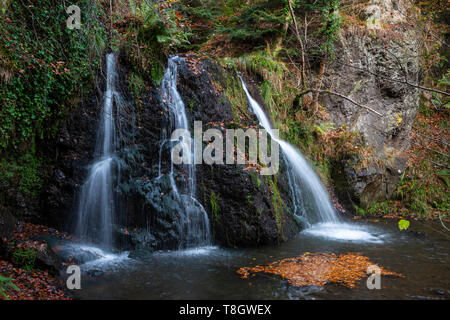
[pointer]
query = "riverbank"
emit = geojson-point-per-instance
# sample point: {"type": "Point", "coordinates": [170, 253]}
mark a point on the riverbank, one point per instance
{"type": "Point", "coordinates": [31, 265]}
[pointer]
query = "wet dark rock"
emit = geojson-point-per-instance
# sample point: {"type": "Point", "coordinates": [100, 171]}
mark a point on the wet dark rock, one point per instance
{"type": "Point", "coordinates": [44, 258]}
{"type": "Point", "coordinates": [246, 216]}
{"type": "Point", "coordinates": [240, 203]}
{"type": "Point", "coordinates": [94, 273]}
{"type": "Point", "coordinates": [75, 254]}
{"type": "Point", "coordinates": [141, 253]}
{"type": "Point", "coordinates": [47, 259]}
{"type": "Point", "coordinates": [7, 224]}
{"type": "Point", "coordinates": [133, 239]}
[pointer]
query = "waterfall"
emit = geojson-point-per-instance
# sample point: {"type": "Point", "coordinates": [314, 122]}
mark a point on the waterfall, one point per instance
{"type": "Point", "coordinates": [194, 219]}
{"type": "Point", "coordinates": [96, 201]}
{"type": "Point", "coordinates": [308, 193]}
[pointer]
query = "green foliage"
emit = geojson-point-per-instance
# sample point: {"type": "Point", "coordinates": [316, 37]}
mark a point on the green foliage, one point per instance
{"type": "Point", "coordinates": [421, 194]}
{"type": "Point", "coordinates": [379, 208]}
{"type": "Point", "coordinates": [331, 23]}
{"type": "Point", "coordinates": [445, 176]}
{"type": "Point", "coordinates": [214, 203]}
{"type": "Point", "coordinates": [156, 31]}
{"type": "Point", "coordinates": [360, 210]}
{"type": "Point", "coordinates": [136, 84]}
{"type": "Point", "coordinates": [6, 284]}
{"type": "Point", "coordinates": [262, 64]}
{"type": "Point", "coordinates": [204, 18]}
{"type": "Point", "coordinates": [299, 133]}
{"type": "Point", "coordinates": [257, 22]}
{"type": "Point", "coordinates": [22, 173]}
{"type": "Point", "coordinates": [48, 63]}
{"type": "Point", "coordinates": [255, 178]}
{"type": "Point", "coordinates": [25, 258]}
{"type": "Point", "coordinates": [233, 91]}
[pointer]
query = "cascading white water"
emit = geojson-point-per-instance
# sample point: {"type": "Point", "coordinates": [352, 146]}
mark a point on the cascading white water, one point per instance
{"type": "Point", "coordinates": [311, 202]}
{"type": "Point", "coordinates": [96, 202]}
{"type": "Point", "coordinates": [300, 174]}
{"type": "Point", "coordinates": [194, 220]}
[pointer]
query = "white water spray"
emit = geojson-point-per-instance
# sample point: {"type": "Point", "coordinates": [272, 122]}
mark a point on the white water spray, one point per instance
{"type": "Point", "coordinates": [300, 174]}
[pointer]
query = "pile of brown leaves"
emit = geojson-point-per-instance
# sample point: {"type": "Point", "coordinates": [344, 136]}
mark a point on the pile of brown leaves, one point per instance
{"type": "Point", "coordinates": [24, 233]}
{"type": "Point", "coordinates": [319, 269]}
{"type": "Point", "coordinates": [33, 285]}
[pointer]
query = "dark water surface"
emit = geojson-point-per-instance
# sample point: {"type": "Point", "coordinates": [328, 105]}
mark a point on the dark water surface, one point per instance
{"type": "Point", "coordinates": [421, 254]}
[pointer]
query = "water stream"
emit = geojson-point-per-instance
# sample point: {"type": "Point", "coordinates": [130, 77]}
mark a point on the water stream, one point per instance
{"type": "Point", "coordinates": [311, 202]}
{"type": "Point", "coordinates": [193, 218]}
{"type": "Point", "coordinates": [96, 202]}
{"type": "Point", "coordinates": [210, 273]}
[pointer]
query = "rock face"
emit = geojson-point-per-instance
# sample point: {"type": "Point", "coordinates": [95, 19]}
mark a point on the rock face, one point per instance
{"type": "Point", "coordinates": [244, 208]}
{"type": "Point", "coordinates": [74, 146]}
{"type": "Point", "coordinates": [386, 48]}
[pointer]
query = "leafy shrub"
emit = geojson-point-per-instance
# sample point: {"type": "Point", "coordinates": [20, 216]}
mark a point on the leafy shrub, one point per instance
{"type": "Point", "coordinates": [47, 64]}
{"type": "Point", "coordinates": [25, 258]}
{"type": "Point", "coordinates": [153, 32]}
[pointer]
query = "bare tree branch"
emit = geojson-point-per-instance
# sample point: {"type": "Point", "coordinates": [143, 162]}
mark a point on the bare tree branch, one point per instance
{"type": "Point", "coordinates": [343, 97]}
{"type": "Point", "coordinates": [299, 38]}
{"type": "Point", "coordinates": [395, 80]}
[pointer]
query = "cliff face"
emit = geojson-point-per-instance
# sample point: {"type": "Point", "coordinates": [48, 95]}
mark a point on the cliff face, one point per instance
{"type": "Point", "coordinates": [244, 208]}
{"type": "Point", "coordinates": [386, 47]}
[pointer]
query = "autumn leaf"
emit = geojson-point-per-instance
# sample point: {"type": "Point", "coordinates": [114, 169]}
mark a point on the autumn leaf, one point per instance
{"type": "Point", "coordinates": [403, 224]}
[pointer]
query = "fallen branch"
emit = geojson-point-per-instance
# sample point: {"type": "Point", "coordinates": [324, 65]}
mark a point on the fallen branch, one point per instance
{"type": "Point", "coordinates": [429, 149]}
{"type": "Point", "coordinates": [395, 80]}
{"type": "Point", "coordinates": [343, 97]}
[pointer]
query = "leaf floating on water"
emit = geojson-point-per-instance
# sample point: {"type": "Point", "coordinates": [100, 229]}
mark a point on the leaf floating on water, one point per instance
{"type": "Point", "coordinates": [403, 224]}
{"type": "Point", "coordinates": [319, 269]}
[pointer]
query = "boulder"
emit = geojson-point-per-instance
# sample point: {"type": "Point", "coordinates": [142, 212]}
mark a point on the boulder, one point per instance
{"type": "Point", "coordinates": [387, 48]}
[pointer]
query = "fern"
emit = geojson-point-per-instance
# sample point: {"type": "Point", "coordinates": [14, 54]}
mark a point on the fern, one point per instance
{"type": "Point", "coordinates": [5, 284]}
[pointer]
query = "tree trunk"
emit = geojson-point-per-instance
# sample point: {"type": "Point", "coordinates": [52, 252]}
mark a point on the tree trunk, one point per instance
{"type": "Point", "coordinates": [299, 38]}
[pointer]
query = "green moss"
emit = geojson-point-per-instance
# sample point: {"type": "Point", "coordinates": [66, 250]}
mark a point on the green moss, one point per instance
{"type": "Point", "coordinates": [256, 179]}
{"type": "Point", "coordinates": [277, 203]}
{"type": "Point", "coordinates": [236, 95]}
{"type": "Point", "coordinates": [213, 201]}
